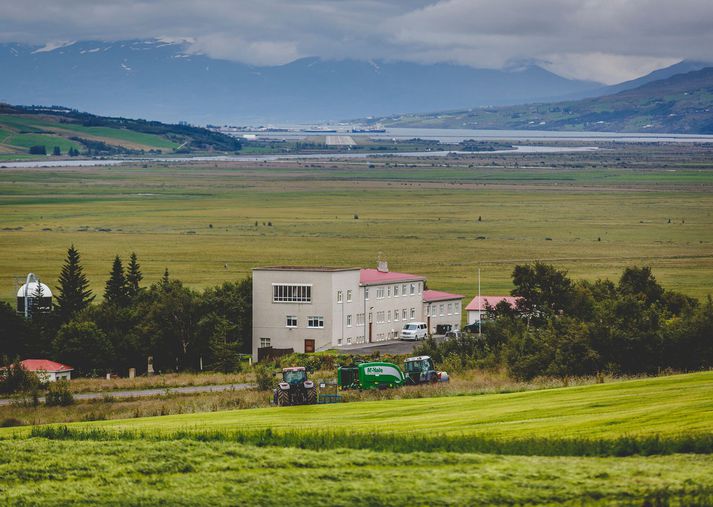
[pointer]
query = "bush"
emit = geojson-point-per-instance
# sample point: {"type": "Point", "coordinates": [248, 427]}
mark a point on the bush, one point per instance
{"type": "Point", "coordinates": [10, 422]}
{"type": "Point", "coordinates": [263, 378]}
{"type": "Point", "coordinates": [16, 379]}
{"type": "Point", "coordinates": [59, 394]}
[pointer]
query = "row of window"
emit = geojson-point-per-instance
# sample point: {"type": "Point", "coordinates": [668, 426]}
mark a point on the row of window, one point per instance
{"type": "Point", "coordinates": [404, 289]}
{"type": "Point", "coordinates": [452, 308]}
{"type": "Point", "coordinates": [340, 296]}
{"type": "Point", "coordinates": [296, 293]}
{"type": "Point", "coordinates": [313, 321]}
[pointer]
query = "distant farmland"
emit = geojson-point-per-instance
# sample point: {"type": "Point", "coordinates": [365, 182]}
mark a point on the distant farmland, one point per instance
{"type": "Point", "coordinates": [591, 213]}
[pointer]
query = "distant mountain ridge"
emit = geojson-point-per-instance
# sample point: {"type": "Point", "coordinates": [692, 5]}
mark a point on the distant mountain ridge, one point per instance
{"type": "Point", "coordinates": [163, 80]}
{"type": "Point", "coordinates": [679, 104]}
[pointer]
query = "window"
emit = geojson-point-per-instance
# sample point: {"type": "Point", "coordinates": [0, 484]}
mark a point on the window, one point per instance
{"type": "Point", "coordinates": [360, 319]}
{"type": "Point", "coordinates": [380, 317]}
{"type": "Point", "coordinates": [339, 296]}
{"type": "Point", "coordinates": [404, 288]}
{"type": "Point", "coordinates": [315, 321]}
{"type": "Point", "coordinates": [349, 320]}
{"type": "Point", "coordinates": [388, 316]}
{"type": "Point", "coordinates": [264, 343]}
{"type": "Point", "coordinates": [456, 307]}
{"type": "Point", "coordinates": [388, 291]}
{"type": "Point", "coordinates": [413, 289]}
{"type": "Point", "coordinates": [339, 341]}
{"type": "Point", "coordinates": [282, 293]}
{"type": "Point", "coordinates": [349, 341]}
{"type": "Point", "coordinates": [396, 290]}
{"type": "Point", "coordinates": [404, 315]}
{"type": "Point", "coordinates": [413, 313]}
{"type": "Point", "coordinates": [433, 310]}
{"type": "Point", "coordinates": [441, 308]}
{"type": "Point", "coordinates": [349, 296]}
{"type": "Point", "coordinates": [450, 308]}
{"type": "Point", "coordinates": [379, 293]}
{"type": "Point", "coordinates": [366, 293]}
{"type": "Point", "coordinates": [396, 315]}
{"type": "Point", "coordinates": [291, 321]}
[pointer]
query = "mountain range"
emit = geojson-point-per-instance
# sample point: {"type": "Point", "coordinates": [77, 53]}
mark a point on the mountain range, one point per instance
{"type": "Point", "coordinates": [162, 80]}
{"type": "Point", "coordinates": [679, 104]}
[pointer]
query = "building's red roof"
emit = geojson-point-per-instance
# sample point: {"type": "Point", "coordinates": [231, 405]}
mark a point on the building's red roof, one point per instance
{"type": "Point", "coordinates": [44, 365]}
{"type": "Point", "coordinates": [376, 277]}
{"type": "Point", "coordinates": [437, 295]}
{"type": "Point", "coordinates": [480, 302]}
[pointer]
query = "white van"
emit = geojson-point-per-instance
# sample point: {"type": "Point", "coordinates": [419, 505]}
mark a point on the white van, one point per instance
{"type": "Point", "coordinates": [414, 331]}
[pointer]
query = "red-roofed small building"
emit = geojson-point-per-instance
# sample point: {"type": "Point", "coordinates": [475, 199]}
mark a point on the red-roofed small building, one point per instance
{"type": "Point", "coordinates": [477, 307]}
{"type": "Point", "coordinates": [46, 370]}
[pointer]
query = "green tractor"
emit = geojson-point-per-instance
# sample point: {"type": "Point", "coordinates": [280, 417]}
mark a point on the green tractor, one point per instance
{"type": "Point", "coordinates": [420, 370]}
{"type": "Point", "coordinates": [295, 388]}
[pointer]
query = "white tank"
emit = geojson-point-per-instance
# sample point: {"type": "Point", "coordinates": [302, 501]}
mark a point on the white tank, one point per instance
{"type": "Point", "coordinates": [27, 294]}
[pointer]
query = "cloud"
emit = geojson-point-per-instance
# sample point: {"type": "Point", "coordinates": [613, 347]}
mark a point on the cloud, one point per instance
{"type": "Point", "coordinates": [607, 40]}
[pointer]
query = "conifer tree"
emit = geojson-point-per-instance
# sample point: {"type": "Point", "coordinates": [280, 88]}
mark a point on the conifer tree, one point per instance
{"type": "Point", "coordinates": [116, 292]}
{"type": "Point", "coordinates": [73, 294]}
{"type": "Point", "coordinates": [165, 281]}
{"type": "Point", "coordinates": [133, 277]}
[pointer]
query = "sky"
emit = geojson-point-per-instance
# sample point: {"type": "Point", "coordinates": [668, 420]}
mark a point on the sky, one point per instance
{"type": "Point", "coordinates": [603, 40]}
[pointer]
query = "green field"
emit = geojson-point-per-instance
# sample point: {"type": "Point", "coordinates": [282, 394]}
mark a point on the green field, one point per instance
{"type": "Point", "coordinates": [19, 132]}
{"type": "Point", "coordinates": [201, 459]}
{"type": "Point", "coordinates": [592, 214]}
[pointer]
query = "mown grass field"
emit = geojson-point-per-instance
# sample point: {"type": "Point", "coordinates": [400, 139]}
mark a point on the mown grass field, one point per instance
{"type": "Point", "coordinates": [592, 214]}
{"type": "Point", "coordinates": [202, 460]}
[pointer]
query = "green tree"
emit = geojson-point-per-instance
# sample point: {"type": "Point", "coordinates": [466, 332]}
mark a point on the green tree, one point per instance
{"type": "Point", "coordinates": [641, 283]}
{"type": "Point", "coordinates": [74, 294]}
{"type": "Point", "coordinates": [56, 151]}
{"type": "Point", "coordinates": [116, 291]}
{"type": "Point", "coordinates": [165, 280]}
{"type": "Point", "coordinates": [84, 346]}
{"type": "Point", "coordinates": [133, 277]}
{"type": "Point", "coordinates": [38, 150]}
{"type": "Point", "coordinates": [543, 290]}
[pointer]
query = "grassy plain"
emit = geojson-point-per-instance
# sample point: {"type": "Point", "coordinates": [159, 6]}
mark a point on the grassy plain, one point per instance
{"type": "Point", "coordinates": [591, 213]}
{"type": "Point", "coordinates": [156, 460]}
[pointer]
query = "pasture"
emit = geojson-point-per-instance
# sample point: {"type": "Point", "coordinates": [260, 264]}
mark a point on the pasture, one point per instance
{"type": "Point", "coordinates": [591, 213]}
{"type": "Point", "coordinates": [398, 452]}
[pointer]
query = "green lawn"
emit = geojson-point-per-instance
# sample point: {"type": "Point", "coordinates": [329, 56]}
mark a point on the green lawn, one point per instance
{"type": "Point", "coordinates": [158, 465]}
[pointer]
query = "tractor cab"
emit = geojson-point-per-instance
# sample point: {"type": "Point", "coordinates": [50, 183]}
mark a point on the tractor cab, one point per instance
{"type": "Point", "coordinates": [294, 376]}
{"type": "Point", "coordinates": [420, 370]}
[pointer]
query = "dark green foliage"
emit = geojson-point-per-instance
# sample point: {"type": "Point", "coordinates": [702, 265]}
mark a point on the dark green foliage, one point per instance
{"type": "Point", "coordinates": [74, 294]}
{"type": "Point", "coordinates": [56, 151]}
{"type": "Point", "coordinates": [264, 378]}
{"type": "Point", "coordinates": [564, 329]}
{"type": "Point", "coordinates": [15, 332]}
{"type": "Point", "coordinates": [73, 152]}
{"type": "Point", "coordinates": [116, 291]}
{"type": "Point", "coordinates": [14, 378]}
{"type": "Point", "coordinates": [59, 394]}
{"type": "Point", "coordinates": [133, 277]}
{"type": "Point", "coordinates": [83, 345]}
{"type": "Point", "coordinates": [38, 150]}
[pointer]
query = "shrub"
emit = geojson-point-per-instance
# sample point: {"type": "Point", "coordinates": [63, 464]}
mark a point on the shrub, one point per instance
{"type": "Point", "coordinates": [263, 378]}
{"type": "Point", "coordinates": [10, 422]}
{"type": "Point", "coordinates": [16, 379]}
{"type": "Point", "coordinates": [59, 394]}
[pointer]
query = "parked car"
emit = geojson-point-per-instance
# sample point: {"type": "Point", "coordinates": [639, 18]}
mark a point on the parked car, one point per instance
{"type": "Point", "coordinates": [453, 334]}
{"type": "Point", "coordinates": [414, 331]}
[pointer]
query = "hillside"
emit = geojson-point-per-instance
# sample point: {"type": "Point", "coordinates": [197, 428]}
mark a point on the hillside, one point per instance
{"type": "Point", "coordinates": [165, 80]}
{"type": "Point", "coordinates": [680, 104]}
{"type": "Point", "coordinates": [22, 128]}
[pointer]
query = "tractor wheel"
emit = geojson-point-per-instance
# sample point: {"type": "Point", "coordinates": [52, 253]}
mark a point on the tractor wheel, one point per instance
{"type": "Point", "coordinates": [283, 398]}
{"type": "Point", "coordinates": [312, 396]}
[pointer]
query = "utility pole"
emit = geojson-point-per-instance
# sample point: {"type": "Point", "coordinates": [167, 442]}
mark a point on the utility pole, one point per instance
{"type": "Point", "coordinates": [480, 301]}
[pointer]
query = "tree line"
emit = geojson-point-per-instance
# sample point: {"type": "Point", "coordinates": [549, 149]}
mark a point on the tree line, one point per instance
{"type": "Point", "coordinates": [566, 328]}
{"type": "Point", "coordinates": [173, 326]}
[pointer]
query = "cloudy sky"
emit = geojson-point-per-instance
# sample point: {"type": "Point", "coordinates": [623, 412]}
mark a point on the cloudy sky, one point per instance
{"type": "Point", "coordinates": [604, 40]}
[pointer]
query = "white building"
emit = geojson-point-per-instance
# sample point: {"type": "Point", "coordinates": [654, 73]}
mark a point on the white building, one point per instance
{"type": "Point", "coordinates": [441, 309]}
{"type": "Point", "coordinates": [477, 308]}
{"type": "Point", "coordinates": [46, 370]}
{"type": "Point", "coordinates": [309, 309]}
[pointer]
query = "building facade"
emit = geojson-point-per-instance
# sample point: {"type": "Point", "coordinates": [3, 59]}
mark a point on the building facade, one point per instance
{"type": "Point", "coordinates": [309, 309]}
{"type": "Point", "coordinates": [477, 308]}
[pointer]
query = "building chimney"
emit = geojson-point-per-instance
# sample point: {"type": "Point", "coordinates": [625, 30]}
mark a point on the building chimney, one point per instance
{"type": "Point", "coordinates": [382, 266]}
